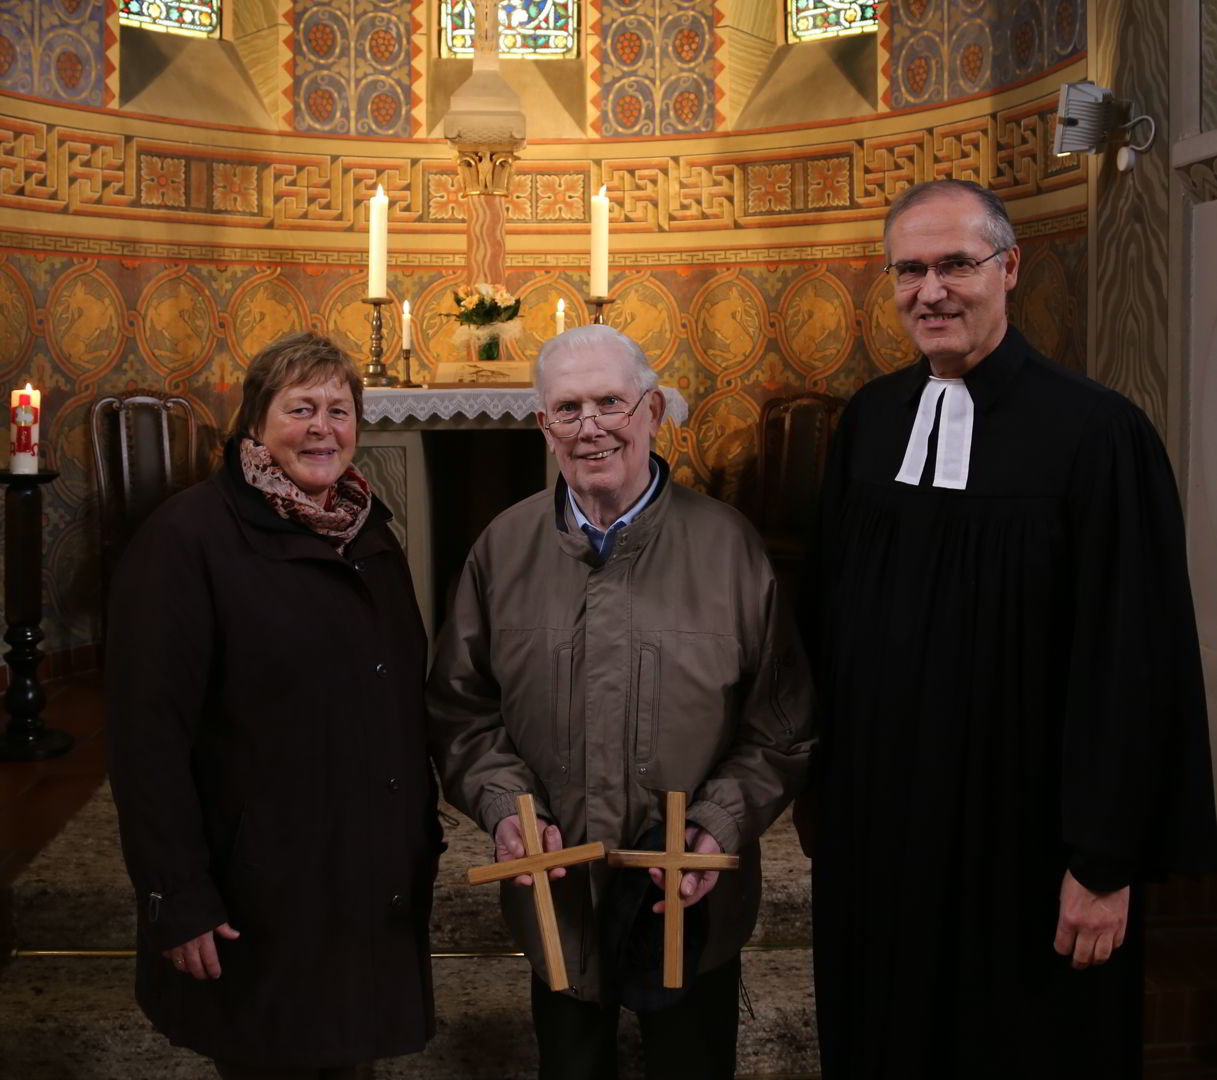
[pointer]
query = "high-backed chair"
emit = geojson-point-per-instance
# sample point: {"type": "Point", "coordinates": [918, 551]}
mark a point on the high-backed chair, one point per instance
{"type": "Point", "coordinates": [145, 447]}
{"type": "Point", "coordinates": [794, 436]}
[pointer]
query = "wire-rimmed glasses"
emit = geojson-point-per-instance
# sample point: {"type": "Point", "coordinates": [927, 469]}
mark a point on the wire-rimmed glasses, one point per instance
{"type": "Point", "coordinates": [908, 275]}
{"type": "Point", "coordinates": [611, 420]}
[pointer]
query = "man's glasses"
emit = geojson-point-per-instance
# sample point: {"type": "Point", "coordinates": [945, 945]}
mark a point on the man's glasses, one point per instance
{"type": "Point", "coordinates": [908, 275]}
{"type": "Point", "coordinates": [612, 420]}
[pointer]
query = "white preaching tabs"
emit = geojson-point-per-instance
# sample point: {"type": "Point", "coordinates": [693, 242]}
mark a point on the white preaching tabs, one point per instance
{"type": "Point", "coordinates": [954, 435]}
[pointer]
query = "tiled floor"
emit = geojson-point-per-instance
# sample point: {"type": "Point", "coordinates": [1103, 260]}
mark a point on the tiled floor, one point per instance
{"type": "Point", "coordinates": [38, 798]}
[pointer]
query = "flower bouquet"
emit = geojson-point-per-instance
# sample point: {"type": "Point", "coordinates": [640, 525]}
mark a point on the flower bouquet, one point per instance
{"type": "Point", "coordinates": [487, 314]}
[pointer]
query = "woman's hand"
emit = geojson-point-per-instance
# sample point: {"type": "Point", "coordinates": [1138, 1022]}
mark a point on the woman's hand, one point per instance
{"type": "Point", "coordinates": [198, 957]}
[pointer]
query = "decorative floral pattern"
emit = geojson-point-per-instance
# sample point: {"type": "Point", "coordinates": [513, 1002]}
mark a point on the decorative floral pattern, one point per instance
{"type": "Point", "coordinates": [351, 69]}
{"type": "Point", "coordinates": [560, 197]}
{"type": "Point", "coordinates": [658, 69]}
{"type": "Point", "coordinates": [235, 187]}
{"type": "Point", "coordinates": [445, 197]}
{"type": "Point", "coordinates": [768, 187]}
{"type": "Point", "coordinates": [162, 181]}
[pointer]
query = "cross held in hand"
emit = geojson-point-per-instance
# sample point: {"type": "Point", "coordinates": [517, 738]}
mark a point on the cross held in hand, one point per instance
{"type": "Point", "coordinates": [538, 863]}
{"type": "Point", "coordinates": [674, 860]}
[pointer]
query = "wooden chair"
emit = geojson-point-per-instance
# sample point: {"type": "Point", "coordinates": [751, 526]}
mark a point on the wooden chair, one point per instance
{"type": "Point", "coordinates": [145, 447]}
{"type": "Point", "coordinates": [793, 450]}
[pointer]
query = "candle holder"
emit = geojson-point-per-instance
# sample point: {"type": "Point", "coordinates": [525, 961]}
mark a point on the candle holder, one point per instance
{"type": "Point", "coordinates": [408, 381]}
{"type": "Point", "coordinates": [25, 738]}
{"type": "Point", "coordinates": [599, 303]}
{"type": "Point", "coordinates": [374, 370]}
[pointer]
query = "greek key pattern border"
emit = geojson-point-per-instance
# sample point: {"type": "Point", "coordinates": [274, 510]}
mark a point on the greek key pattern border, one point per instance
{"type": "Point", "coordinates": [67, 170]}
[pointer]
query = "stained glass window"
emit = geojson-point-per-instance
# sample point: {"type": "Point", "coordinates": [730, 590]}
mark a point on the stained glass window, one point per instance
{"type": "Point", "coordinates": [537, 29]}
{"type": "Point", "coordinates": [813, 20]}
{"type": "Point", "coordinates": [198, 17]}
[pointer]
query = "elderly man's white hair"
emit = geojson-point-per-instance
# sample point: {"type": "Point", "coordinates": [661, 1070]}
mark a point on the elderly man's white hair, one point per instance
{"type": "Point", "coordinates": [595, 337]}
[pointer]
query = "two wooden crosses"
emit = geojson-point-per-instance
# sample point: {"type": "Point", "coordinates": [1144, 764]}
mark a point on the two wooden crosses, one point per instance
{"type": "Point", "coordinates": [673, 861]}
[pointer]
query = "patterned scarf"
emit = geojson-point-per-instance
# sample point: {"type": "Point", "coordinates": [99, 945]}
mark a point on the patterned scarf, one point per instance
{"type": "Point", "coordinates": [339, 521]}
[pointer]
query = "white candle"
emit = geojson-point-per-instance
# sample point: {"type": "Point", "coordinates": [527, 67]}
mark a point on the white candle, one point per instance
{"type": "Point", "coordinates": [600, 218]}
{"type": "Point", "coordinates": [560, 316]}
{"type": "Point", "coordinates": [25, 410]}
{"type": "Point", "coordinates": [378, 242]}
{"type": "Point", "coordinates": [407, 340]}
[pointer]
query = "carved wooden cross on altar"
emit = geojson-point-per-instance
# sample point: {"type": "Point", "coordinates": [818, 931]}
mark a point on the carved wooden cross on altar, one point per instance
{"type": "Point", "coordinates": [673, 861]}
{"type": "Point", "coordinates": [538, 863]}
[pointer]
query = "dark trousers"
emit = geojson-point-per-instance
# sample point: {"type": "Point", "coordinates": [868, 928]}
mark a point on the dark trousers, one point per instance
{"type": "Point", "coordinates": [247, 1072]}
{"type": "Point", "coordinates": [696, 1037]}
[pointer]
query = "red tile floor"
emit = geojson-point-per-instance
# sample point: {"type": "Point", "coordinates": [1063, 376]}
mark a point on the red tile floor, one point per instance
{"type": "Point", "coordinates": [38, 799]}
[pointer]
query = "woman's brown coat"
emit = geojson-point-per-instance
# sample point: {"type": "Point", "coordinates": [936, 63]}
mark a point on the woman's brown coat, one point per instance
{"type": "Point", "coordinates": [268, 760]}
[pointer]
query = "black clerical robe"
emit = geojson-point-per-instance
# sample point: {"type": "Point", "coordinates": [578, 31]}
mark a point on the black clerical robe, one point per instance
{"type": "Point", "coordinates": [1012, 686]}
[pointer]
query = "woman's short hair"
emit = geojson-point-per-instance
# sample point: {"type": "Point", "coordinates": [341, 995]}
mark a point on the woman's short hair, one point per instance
{"type": "Point", "coordinates": [595, 337]}
{"type": "Point", "coordinates": [997, 227]}
{"type": "Point", "coordinates": [303, 359]}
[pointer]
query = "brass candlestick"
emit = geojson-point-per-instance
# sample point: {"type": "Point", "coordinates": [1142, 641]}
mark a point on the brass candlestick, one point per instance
{"type": "Point", "coordinates": [408, 381]}
{"type": "Point", "coordinates": [599, 303]}
{"type": "Point", "coordinates": [374, 370]}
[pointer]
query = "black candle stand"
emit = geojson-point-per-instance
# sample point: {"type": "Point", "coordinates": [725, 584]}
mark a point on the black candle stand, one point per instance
{"type": "Point", "coordinates": [25, 738]}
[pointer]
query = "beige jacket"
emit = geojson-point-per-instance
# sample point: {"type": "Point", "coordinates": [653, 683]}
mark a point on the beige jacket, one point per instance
{"type": "Point", "coordinates": [598, 686]}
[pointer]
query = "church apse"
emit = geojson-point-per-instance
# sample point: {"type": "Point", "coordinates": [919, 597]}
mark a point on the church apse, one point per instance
{"type": "Point", "coordinates": [140, 252]}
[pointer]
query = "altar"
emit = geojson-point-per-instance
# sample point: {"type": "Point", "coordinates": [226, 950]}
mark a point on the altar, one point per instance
{"type": "Point", "coordinates": [445, 462]}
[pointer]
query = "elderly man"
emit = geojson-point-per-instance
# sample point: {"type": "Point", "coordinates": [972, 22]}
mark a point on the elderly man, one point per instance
{"type": "Point", "coordinates": [1015, 727]}
{"type": "Point", "coordinates": [611, 640]}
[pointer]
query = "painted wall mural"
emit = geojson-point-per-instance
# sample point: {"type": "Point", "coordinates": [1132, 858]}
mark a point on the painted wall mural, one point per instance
{"type": "Point", "coordinates": [729, 336]}
{"type": "Point", "coordinates": [56, 49]}
{"type": "Point", "coordinates": [947, 49]}
{"type": "Point", "coordinates": [351, 67]}
{"type": "Point", "coordinates": [658, 67]}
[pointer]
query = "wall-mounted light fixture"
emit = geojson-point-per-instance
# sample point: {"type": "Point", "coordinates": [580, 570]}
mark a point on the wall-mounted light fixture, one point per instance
{"type": "Point", "coordinates": [1089, 119]}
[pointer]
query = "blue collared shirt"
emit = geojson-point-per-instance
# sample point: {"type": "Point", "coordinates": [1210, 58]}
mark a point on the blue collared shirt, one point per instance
{"type": "Point", "coordinates": [602, 542]}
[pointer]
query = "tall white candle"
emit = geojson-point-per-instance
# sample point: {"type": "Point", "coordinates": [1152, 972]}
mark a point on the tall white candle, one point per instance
{"type": "Point", "coordinates": [560, 317]}
{"type": "Point", "coordinates": [378, 242]}
{"type": "Point", "coordinates": [600, 218]}
{"type": "Point", "coordinates": [407, 337]}
{"type": "Point", "coordinates": [25, 410]}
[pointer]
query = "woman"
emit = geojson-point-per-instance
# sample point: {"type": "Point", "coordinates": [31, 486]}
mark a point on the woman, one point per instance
{"type": "Point", "coordinates": [265, 668]}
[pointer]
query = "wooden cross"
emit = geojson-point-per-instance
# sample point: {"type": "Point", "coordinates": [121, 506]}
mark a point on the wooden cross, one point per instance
{"type": "Point", "coordinates": [673, 861]}
{"type": "Point", "coordinates": [538, 863]}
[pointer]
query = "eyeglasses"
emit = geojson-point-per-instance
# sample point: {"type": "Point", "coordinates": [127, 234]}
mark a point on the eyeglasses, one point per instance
{"type": "Point", "coordinates": [612, 420]}
{"type": "Point", "coordinates": [908, 275]}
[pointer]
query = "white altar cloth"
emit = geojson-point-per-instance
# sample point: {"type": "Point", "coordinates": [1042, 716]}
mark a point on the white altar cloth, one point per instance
{"type": "Point", "coordinates": [399, 404]}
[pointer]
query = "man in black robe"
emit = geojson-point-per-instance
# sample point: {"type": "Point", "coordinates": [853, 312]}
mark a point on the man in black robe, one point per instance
{"type": "Point", "coordinates": [1014, 721]}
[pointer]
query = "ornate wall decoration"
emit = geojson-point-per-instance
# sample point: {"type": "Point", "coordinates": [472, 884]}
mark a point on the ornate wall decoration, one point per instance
{"type": "Point", "coordinates": [70, 170]}
{"type": "Point", "coordinates": [947, 49]}
{"type": "Point", "coordinates": [174, 324]}
{"type": "Point", "coordinates": [657, 67]}
{"type": "Point", "coordinates": [352, 62]}
{"type": "Point", "coordinates": [55, 49]}
{"type": "Point", "coordinates": [16, 318]}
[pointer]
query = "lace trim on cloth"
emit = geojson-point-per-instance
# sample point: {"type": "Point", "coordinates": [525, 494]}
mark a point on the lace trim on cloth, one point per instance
{"type": "Point", "coordinates": [397, 404]}
{"type": "Point", "coordinates": [347, 508]}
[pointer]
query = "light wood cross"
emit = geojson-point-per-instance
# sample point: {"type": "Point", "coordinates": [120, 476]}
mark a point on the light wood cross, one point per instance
{"type": "Point", "coordinates": [538, 863]}
{"type": "Point", "coordinates": [673, 861]}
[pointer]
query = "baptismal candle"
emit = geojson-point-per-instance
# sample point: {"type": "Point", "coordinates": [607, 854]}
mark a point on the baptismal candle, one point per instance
{"type": "Point", "coordinates": [599, 270]}
{"type": "Point", "coordinates": [25, 408]}
{"type": "Point", "coordinates": [406, 336]}
{"type": "Point", "coordinates": [560, 316]}
{"type": "Point", "coordinates": [378, 242]}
